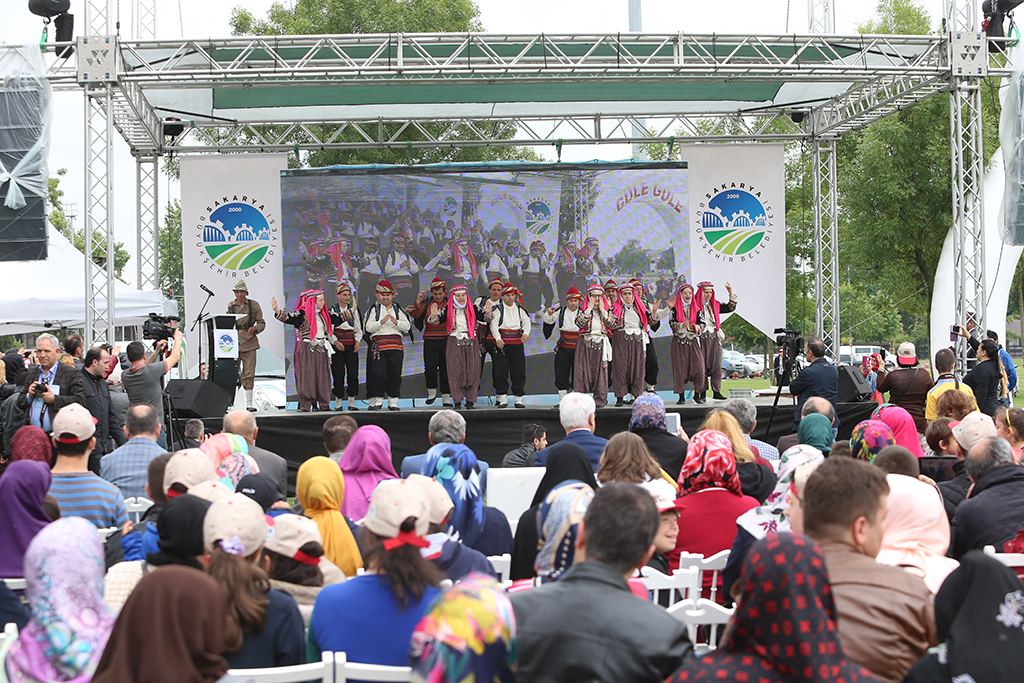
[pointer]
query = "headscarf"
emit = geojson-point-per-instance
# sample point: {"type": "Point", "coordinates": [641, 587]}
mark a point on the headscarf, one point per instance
{"type": "Point", "coordinates": [869, 438]}
{"type": "Point", "coordinates": [565, 461]}
{"type": "Point", "coordinates": [558, 524]}
{"type": "Point", "coordinates": [640, 309]}
{"type": "Point", "coordinates": [467, 634]}
{"type": "Point", "coordinates": [181, 532]}
{"type": "Point", "coordinates": [816, 430]}
{"type": "Point", "coordinates": [320, 487]}
{"type": "Point", "coordinates": [904, 430]}
{"type": "Point", "coordinates": [682, 315]}
{"type": "Point", "coordinates": [170, 630]}
{"type": "Point", "coordinates": [709, 463]}
{"type": "Point", "coordinates": [31, 443]}
{"type": "Point", "coordinates": [220, 446]}
{"type": "Point", "coordinates": [22, 490]}
{"type": "Point", "coordinates": [307, 304]}
{"type": "Point", "coordinates": [457, 256]}
{"type": "Point", "coordinates": [648, 413]}
{"type": "Point", "coordinates": [602, 304]}
{"type": "Point", "coordinates": [235, 466]}
{"type": "Point", "coordinates": [70, 623]}
{"type": "Point", "coordinates": [916, 531]}
{"type": "Point", "coordinates": [470, 310]}
{"type": "Point", "coordinates": [366, 463]}
{"type": "Point", "coordinates": [706, 294]}
{"type": "Point", "coordinates": [785, 622]}
{"type": "Point", "coordinates": [770, 518]}
{"type": "Point", "coordinates": [456, 468]}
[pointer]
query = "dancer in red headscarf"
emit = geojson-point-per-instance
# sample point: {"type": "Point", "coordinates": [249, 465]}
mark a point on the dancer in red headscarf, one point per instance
{"type": "Point", "coordinates": [462, 352]}
{"type": "Point", "coordinates": [314, 339]}
{"type": "Point", "coordinates": [687, 323]}
{"type": "Point", "coordinates": [629, 345]}
{"type": "Point", "coordinates": [568, 336]}
{"type": "Point", "coordinates": [594, 349]}
{"type": "Point", "coordinates": [712, 336]}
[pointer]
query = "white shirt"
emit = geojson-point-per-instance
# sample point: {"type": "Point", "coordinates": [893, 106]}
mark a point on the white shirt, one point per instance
{"type": "Point", "coordinates": [400, 264]}
{"type": "Point", "coordinates": [568, 322]}
{"type": "Point", "coordinates": [513, 314]}
{"type": "Point", "coordinates": [376, 329]}
{"type": "Point", "coordinates": [460, 330]}
{"type": "Point", "coordinates": [354, 324]}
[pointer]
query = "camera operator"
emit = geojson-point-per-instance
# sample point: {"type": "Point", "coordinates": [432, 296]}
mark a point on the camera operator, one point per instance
{"type": "Point", "coordinates": [48, 385]}
{"type": "Point", "coordinates": [144, 380]}
{"type": "Point", "coordinates": [819, 378]}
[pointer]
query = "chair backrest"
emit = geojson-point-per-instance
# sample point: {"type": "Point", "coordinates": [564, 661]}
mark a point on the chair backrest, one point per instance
{"type": "Point", "coordinates": [104, 532]}
{"type": "Point", "coordinates": [698, 613]}
{"type": "Point", "coordinates": [15, 584]}
{"type": "Point", "coordinates": [300, 673]}
{"type": "Point", "coordinates": [713, 564]}
{"type": "Point", "coordinates": [137, 507]}
{"type": "Point", "coordinates": [683, 584]}
{"type": "Point", "coordinates": [1012, 560]}
{"type": "Point", "coordinates": [502, 565]}
{"type": "Point", "coordinates": [344, 670]}
{"type": "Point", "coordinates": [10, 635]}
{"type": "Point", "coordinates": [511, 489]}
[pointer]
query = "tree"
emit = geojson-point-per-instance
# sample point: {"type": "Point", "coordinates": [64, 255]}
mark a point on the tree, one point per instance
{"type": "Point", "coordinates": [171, 273]}
{"type": "Point", "coordinates": [62, 223]}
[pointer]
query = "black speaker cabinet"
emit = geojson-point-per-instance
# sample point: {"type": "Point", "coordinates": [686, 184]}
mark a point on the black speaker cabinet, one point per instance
{"type": "Point", "coordinates": [22, 231]}
{"type": "Point", "coordinates": [198, 398]}
{"type": "Point", "coordinates": [852, 385]}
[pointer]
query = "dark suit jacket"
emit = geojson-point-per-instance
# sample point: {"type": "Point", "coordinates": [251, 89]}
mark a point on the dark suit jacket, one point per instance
{"type": "Point", "coordinates": [71, 389]}
{"type": "Point", "coordinates": [584, 438]}
{"type": "Point", "coordinates": [272, 464]}
{"type": "Point", "coordinates": [820, 378]}
{"type": "Point", "coordinates": [97, 400]}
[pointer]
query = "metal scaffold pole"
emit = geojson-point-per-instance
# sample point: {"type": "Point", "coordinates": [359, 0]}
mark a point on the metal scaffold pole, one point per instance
{"type": "Point", "coordinates": [826, 244]}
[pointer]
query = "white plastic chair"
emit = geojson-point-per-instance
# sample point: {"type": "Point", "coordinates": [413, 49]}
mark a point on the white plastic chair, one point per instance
{"type": "Point", "coordinates": [344, 670]}
{"type": "Point", "coordinates": [511, 489]}
{"type": "Point", "coordinates": [10, 635]}
{"type": "Point", "coordinates": [714, 564]}
{"type": "Point", "coordinates": [15, 584]}
{"type": "Point", "coordinates": [502, 565]}
{"type": "Point", "coordinates": [683, 584]}
{"type": "Point", "coordinates": [1012, 560]}
{"type": "Point", "coordinates": [105, 532]}
{"type": "Point", "coordinates": [300, 673]}
{"type": "Point", "coordinates": [137, 507]}
{"type": "Point", "coordinates": [701, 612]}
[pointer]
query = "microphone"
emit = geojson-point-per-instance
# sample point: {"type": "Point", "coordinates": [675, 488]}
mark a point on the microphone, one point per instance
{"type": "Point", "coordinates": [207, 290]}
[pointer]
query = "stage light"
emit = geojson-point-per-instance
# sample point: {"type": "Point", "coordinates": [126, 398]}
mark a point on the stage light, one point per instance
{"type": "Point", "coordinates": [797, 116]}
{"type": "Point", "coordinates": [173, 127]}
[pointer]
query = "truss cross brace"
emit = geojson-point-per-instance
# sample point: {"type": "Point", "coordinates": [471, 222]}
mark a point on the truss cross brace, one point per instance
{"type": "Point", "coordinates": [147, 176]}
{"type": "Point", "coordinates": [99, 215]}
{"type": "Point", "coordinates": [826, 244]}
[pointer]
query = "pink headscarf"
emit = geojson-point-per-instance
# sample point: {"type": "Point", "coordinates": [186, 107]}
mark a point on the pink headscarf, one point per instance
{"type": "Point", "coordinates": [307, 304]}
{"type": "Point", "coordinates": [701, 288]}
{"type": "Point", "coordinates": [916, 531]}
{"type": "Point", "coordinates": [469, 308]}
{"type": "Point", "coordinates": [593, 288]}
{"type": "Point", "coordinates": [366, 463]}
{"type": "Point", "coordinates": [637, 306]}
{"type": "Point", "coordinates": [681, 313]}
{"type": "Point", "coordinates": [902, 425]}
{"type": "Point", "coordinates": [457, 256]}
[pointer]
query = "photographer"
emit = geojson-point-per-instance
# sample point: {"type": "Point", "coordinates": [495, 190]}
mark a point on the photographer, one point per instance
{"type": "Point", "coordinates": [819, 378]}
{"type": "Point", "coordinates": [143, 381]}
{"type": "Point", "coordinates": [48, 385]}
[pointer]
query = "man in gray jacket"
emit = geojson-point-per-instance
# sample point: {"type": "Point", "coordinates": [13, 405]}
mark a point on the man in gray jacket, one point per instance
{"type": "Point", "coordinates": [243, 423]}
{"type": "Point", "coordinates": [535, 438]}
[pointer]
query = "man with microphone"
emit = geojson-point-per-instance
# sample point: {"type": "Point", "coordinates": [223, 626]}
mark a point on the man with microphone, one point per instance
{"type": "Point", "coordinates": [248, 327]}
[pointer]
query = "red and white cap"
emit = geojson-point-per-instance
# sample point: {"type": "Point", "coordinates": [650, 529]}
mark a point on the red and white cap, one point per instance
{"type": "Point", "coordinates": [662, 492]}
{"type": "Point", "coordinates": [73, 424]}
{"type": "Point", "coordinates": [438, 282]}
{"type": "Point", "coordinates": [385, 287]}
{"type": "Point", "coordinates": [906, 354]}
{"type": "Point", "coordinates": [291, 532]}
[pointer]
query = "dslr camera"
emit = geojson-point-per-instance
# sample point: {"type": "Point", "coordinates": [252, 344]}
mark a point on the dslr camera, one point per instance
{"type": "Point", "coordinates": [159, 326]}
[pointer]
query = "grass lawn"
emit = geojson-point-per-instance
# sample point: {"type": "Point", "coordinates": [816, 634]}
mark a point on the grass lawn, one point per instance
{"type": "Point", "coordinates": [754, 383]}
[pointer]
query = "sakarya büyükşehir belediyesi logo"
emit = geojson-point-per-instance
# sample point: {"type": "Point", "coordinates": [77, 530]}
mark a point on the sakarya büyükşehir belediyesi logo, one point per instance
{"type": "Point", "coordinates": [735, 222]}
{"type": "Point", "coordinates": [227, 343]}
{"type": "Point", "coordinates": [237, 236]}
{"type": "Point", "coordinates": [538, 216]}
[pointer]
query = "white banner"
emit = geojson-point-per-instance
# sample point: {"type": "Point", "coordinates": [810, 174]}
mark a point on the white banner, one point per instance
{"type": "Point", "coordinates": [231, 229]}
{"type": "Point", "coordinates": [738, 227]}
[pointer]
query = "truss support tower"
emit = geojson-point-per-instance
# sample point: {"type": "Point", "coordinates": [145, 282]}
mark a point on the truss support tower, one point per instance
{"type": "Point", "coordinates": [826, 244]}
{"type": "Point", "coordinates": [147, 176]}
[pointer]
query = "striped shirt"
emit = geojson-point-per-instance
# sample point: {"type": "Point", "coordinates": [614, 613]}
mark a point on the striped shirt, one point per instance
{"type": "Point", "coordinates": [127, 467]}
{"type": "Point", "coordinates": [84, 494]}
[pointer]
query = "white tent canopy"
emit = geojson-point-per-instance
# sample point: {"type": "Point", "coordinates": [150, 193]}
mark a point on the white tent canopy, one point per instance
{"type": "Point", "coordinates": [36, 295]}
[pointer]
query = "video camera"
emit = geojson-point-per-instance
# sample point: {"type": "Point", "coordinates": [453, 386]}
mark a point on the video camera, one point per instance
{"type": "Point", "coordinates": [159, 326]}
{"type": "Point", "coordinates": [792, 345]}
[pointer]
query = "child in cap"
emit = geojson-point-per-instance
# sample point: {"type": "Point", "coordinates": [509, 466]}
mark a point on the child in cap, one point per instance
{"type": "Point", "coordinates": [296, 562]}
{"type": "Point", "coordinates": [264, 627]}
{"type": "Point", "coordinates": [187, 468]}
{"type": "Point", "coordinates": [451, 557]}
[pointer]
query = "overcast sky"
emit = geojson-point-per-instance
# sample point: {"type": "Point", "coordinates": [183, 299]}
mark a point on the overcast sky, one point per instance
{"type": "Point", "coordinates": [209, 19]}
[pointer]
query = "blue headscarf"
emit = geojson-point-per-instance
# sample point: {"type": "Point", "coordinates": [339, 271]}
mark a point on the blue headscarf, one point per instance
{"type": "Point", "coordinates": [558, 524]}
{"type": "Point", "coordinates": [456, 468]}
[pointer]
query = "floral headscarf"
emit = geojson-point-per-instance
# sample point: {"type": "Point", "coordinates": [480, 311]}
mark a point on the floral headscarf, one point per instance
{"type": "Point", "coordinates": [235, 466]}
{"type": "Point", "coordinates": [709, 463]}
{"type": "Point", "coordinates": [558, 523]}
{"type": "Point", "coordinates": [456, 468]}
{"type": "Point", "coordinates": [70, 623]}
{"type": "Point", "coordinates": [648, 412]}
{"type": "Point", "coordinates": [770, 518]}
{"type": "Point", "coordinates": [869, 438]}
{"type": "Point", "coordinates": [468, 634]}
{"type": "Point", "coordinates": [220, 446]}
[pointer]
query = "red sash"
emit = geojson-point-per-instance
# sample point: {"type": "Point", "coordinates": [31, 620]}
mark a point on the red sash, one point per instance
{"type": "Point", "coordinates": [511, 336]}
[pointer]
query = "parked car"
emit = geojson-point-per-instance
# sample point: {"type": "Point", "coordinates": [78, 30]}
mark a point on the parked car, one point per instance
{"type": "Point", "coordinates": [758, 362]}
{"type": "Point", "coordinates": [736, 362]}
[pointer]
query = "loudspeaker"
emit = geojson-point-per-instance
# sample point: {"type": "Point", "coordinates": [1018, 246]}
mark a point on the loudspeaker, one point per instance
{"type": "Point", "coordinates": [198, 398]}
{"type": "Point", "coordinates": [852, 385]}
{"type": "Point", "coordinates": [22, 231]}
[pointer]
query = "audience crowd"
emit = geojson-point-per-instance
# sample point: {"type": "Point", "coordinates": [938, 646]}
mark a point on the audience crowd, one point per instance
{"type": "Point", "coordinates": [844, 562]}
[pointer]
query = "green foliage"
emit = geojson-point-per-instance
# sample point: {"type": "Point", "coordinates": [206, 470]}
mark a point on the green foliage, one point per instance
{"type": "Point", "coordinates": [897, 17]}
{"type": "Point", "coordinates": [867, 318]}
{"type": "Point", "coordinates": [54, 194]}
{"type": "Point", "coordinates": [171, 273]}
{"type": "Point", "coordinates": [632, 258]}
{"type": "Point", "coordinates": [62, 223]}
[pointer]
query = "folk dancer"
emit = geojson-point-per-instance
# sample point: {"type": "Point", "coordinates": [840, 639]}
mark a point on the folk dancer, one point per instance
{"type": "Point", "coordinates": [462, 355]}
{"type": "Point", "coordinates": [536, 287]}
{"type": "Point", "coordinates": [401, 269]}
{"type": "Point", "coordinates": [428, 316]}
{"type": "Point", "coordinates": [495, 268]}
{"type": "Point", "coordinates": [630, 338]}
{"type": "Point", "coordinates": [386, 322]}
{"type": "Point", "coordinates": [455, 263]}
{"type": "Point", "coordinates": [687, 323]}
{"type": "Point", "coordinates": [371, 271]}
{"type": "Point", "coordinates": [564, 318]}
{"type": "Point", "coordinates": [510, 327]}
{"type": "Point", "coordinates": [486, 306]}
{"type": "Point", "coordinates": [611, 295]}
{"type": "Point", "coordinates": [348, 333]}
{"type": "Point", "coordinates": [313, 342]}
{"type": "Point", "coordinates": [712, 336]}
{"type": "Point", "coordinates": [248, 342]}
{"type": "Point", "coordinates": [655, 312]}
{"type": "Point", "coordinates": [594, 349]}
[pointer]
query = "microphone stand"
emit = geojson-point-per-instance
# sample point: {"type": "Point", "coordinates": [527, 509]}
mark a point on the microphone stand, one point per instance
{"type": "Point", "coordinates": [195, 322]}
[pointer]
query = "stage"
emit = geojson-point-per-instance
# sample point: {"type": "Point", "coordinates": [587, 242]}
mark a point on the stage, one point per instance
{"type": "Point", "coordinates": [492, 432]}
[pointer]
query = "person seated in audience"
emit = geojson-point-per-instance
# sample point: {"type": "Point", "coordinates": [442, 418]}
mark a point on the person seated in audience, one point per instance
{"type": "Point", "coordinates": [868, 439]}
{"type": "Point", "coordinates": [904, 429]}
{"type": "Point", "coordinates": [445, 427]}
{"type": "Point", "coordinates": [785, 625]}
{"type": "Point", "coordinates": [841, 449]}
{"type": "Point", "coordinates": [795, 497]}
{"type": "Point", "coordinates": [611, 635]}
{"type": "Point", "coordinates": [916, 530]}
{"type": "Point", "coordinates": [211, 491]}
{"type": "Point", "coordinates": [771, 517]}
{"type": "Point", "coordinates": [170, 630]}
{"type": "Point", "coordinates": [141, 539]}
{"type": "Point", "coordinates": [371, 617]}
{"type": "Point", "coordinates": [745, 412]}
{"type": "Point", "coordinates": [664, 495]}
{"type": "Point", "coordinates": [186, 469]}
{"type": "Point", "coordinates": [320, 488]}
{"type": "Point", "coordinates": [995, 511]}
{"type": "Point", "coordinates": [125, 466]}
{"type": "Point", "coordinates": [816, 431]}
{"type": "Point", "coordinates": [964, 434]}
{"type": "Point", "coordinates": [1010, 426]}
{"type": "Point", "coordinates": [337, 432]}
{"type": "Point", "coordinates": [366, 463]}
{"type": "Point", "coordinates": [955, 404]}
{"type": "Point", "coordinates": [453, 558]}
{"type": "Point", "coordinates": [886, 620]}
{"type": "Point", "coordinates": [627, 460]}
{"type": "Point", "coordinates": [31, 443]}
{"type": "Point", "coordinates": [23, 487]}
{"type": "Point", "coordinates": [977, 619]}
{"type": "Point", "coordinates": [898, 460]}
{"type": "Point", "coordinates": [230, 455]}
{"type": "Point", "coordinates": [814, 404]}
{"type": "Point", "coordinates": [264, 627]}
{"type": "Point", "coordinates": [534, 439]}
{"type": "Point", "coordinates": [70, 624]}
{"type": "Point", "coordinates": [468, 634]}
{"type": "Point", "coordinates": [12, 609]}
{"type": "Point", "coordinates": [577, 413]}
{"type": "Point", "coordinates": [293, 557]}
{"type": "Point", "coordinates": [757, 477]}
{"type": "Point", "coordinates": [566, 462]}
{"type": "Point", "coordinates": [194, 433]}
{"type": "Point", "coordinates": [263, 489]}
{"type": "Point", "coordinates": [476, 526]}
{"type": "Point", "coordinates": [710, 498]}
{"type": "Point", "coordinates": [648, 422]}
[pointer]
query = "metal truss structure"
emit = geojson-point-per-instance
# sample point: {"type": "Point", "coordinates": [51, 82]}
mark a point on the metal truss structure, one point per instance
{"type": "Point", "coordinates": [293, 93]}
